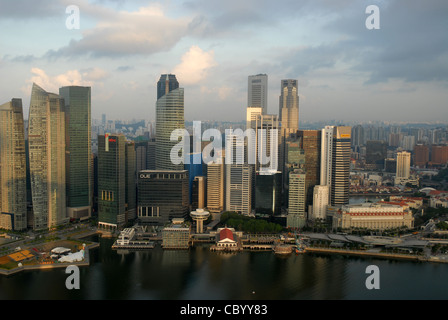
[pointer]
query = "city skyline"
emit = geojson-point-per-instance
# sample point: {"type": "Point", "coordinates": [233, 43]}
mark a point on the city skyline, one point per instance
{"type": "Point", "coordinates": [344, 70]}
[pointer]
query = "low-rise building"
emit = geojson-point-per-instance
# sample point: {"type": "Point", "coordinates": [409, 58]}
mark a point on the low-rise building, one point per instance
{"type": "Point", "coordinates": [438, 199]}
{"type": "Point", "coordinates": [374, 216]}
{"type": "Point", "coordinates": [177, 235]}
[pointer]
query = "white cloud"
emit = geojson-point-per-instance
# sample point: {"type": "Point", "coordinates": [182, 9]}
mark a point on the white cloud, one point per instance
{"type": "Point", "coordinates": [195, 65]}
{"type": "Point", "coordinates": [118, 33]}
{"type": "Point", "coordinates": [49, 83]}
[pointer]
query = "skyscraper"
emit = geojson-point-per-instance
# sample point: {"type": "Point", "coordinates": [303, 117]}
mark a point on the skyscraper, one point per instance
{"type": "Point", "coordinates": [335, 164]}
{"type": "Point", "coordinates": [268, 193]}
{"type": "Point", "coordinates": [310, 142]}
{"type": "Point", "coordinates": [289, 107]}
{"type": "Point", "coordinates": [111, 181]}
{"type": "Point", "coordinates": [376, 153]}
{"type": "Point", "coordinates": [297, 199]}
{"type": "Point", "coordinates": [257, 93]}
{"type": "Point", "coordinates": [162, 196]}
{"type": "Point", "coordinates": [239, 176]}
{"type": "Point", "coordinates": [340, 178]}
{"type": "Point", "coordinates": [13, 197]}
{"type": "Point", "coordinates": [326, 164]}
{"type": "Point", "coordinates": [215, 188]}
{"type": "Point", "coordinates": [46, 136]}
{"type": "Point", "coordinates": [169, 117]}
{"type": "Point", "coordinates": [78, 150]}
{"type": "Point", "coordinates": [130, 181]}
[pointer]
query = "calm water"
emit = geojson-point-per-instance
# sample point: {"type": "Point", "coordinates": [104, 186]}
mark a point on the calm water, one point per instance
{"type": "Point", "coordinates": [199, 274]}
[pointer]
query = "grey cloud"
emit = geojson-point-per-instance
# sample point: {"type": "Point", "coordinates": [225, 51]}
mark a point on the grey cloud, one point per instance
{"type": "Point", "coordinates": [411, 43]}
{"type": "Point", "coordinates": [25, 9]}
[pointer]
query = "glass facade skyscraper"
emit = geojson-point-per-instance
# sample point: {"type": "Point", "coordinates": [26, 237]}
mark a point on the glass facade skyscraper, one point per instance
{"type": "Point", "coordinates": [46, 136]}
{"type": "Point", "coordinates": [111, 180]}
{"type": "Point", "coordinates": [162, 196]}
{"type": "Point", "coordinates": [13, 196]}
{"type": "Point", "coordinates": [169, 117]}
{"type": "Point", "coordinates": [79, 154]}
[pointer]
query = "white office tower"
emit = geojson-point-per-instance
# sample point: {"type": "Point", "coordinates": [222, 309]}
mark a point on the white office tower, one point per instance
{"type": "Point", "coordinates": [257, 92]}
{"type": "Point", "coordinates": [326, 155]}
{"type": "Point", "coordinates": [239, 175]}
{"type": "Point", "coordinates": [320, 202]}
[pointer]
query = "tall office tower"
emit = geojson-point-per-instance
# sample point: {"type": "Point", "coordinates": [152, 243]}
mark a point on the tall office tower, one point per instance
{"type": "Point", "coordinates": [198, 193]}
{"type": "Point", "coordinates": [141, 156]}
{"type": "Point", "coordinates": [46, 139]}
{"type": "Point", "coordinates": [403, 167]}
{"type": "Point", "coordinates": [239, 176]}
{"type": "Point", "coordinates": [295, 159]}
{"type": "Point", "coordinates": [340, 179]}
{"type": "Point", "coordinates": [267, 143]}
{"type": "Point", "coordinates": [310, 141]}
{"type": "Point", "coordinates": [358, 136]}
{"type": "Point", "coordinates": [13, 195]}
{"type": "Point", "coordinates": [376, 153]}
{"type": "Point", "coordinates": [78, 159]}
{"type": "Point", "coordinates": [239, 188]}
{"type": "Point", "coordinates": [257, 93]}
{"type": "Point", "coordinates": [268, 193]}
{"type": "Point", "coordinates": [151, 155]}
{"type": "Point", "coordinates": [169, 117]}
{"type": "Point", "coordinates": [162, 196]}
{"type": "Point", "coordinates": [111, 180]}
{"type": "Point", "coordinates": [130, 181]}
{"type": "Point", "coordinates": [326, 164]}
{"type": "Point", "coordinates": [215, 188]}
{"type": "Point", "coordinates": [194, 169]}
{"type": "Point", "coordinates": [297, 199]}
{"type": "Point", "coordinates": [289, 107]}
{"type": "Point", "coordinates": [320, 202]}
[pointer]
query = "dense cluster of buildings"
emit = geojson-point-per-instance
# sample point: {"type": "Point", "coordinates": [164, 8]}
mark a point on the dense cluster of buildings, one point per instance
{"type": "Point", "coordinates": [54, 168]}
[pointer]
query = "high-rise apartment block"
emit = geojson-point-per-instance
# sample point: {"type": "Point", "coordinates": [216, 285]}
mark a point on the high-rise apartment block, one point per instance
{"type": "Point", "coordinates": [421, 155]}
{"type": "Point", "coordinates": [403, 167]}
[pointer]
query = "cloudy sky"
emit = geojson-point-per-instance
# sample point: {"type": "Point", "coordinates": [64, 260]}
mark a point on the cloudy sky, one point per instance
{"type": "Point", "coordinates": [345, 71]}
